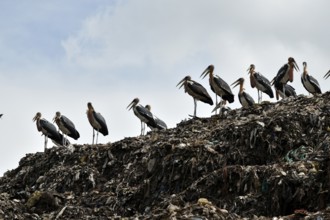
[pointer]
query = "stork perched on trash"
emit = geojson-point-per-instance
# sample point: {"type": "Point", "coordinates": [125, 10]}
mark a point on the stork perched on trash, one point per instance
{"type": "Point", "coordinates": [289, 90]}
{"type": "Point", "coordinates": [66, 126]}
{"type": "Point", "coordinates": [223, 109]}
{"type": "Point", "coordinates": [142, 113]}
{"type": "Point", "coordinates": [244, 98]}
{"type": "Point", "coordinates": [97, 122]}
{"type": "Point", "coordinates": [285, 73]}
{"type": "Point", "coordinates": [196, 90]}
{"type": "Point", "coordinates": [260, 82]}
{"type": "Point", "coordinates": [219, 87]}
{"type": "Point", "coordinates": [156, 124]}
{"type": "Point", "coordinates": [309, 82]}
{"type": "Point", "coordinates": [327, 75]}
{"type": "Point", "coordinates": [49, 131]}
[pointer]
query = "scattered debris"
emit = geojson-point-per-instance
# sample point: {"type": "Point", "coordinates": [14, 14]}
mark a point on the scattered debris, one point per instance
{"type": "Point", "coordinates": [270, 161]}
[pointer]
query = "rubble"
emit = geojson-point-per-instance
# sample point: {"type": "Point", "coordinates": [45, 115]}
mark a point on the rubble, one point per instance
{"type": "Point", "coordinates": [270, 161]}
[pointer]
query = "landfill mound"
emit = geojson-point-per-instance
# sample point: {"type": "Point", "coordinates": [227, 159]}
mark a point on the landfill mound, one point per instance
{"type": "Point", "coordinates": [271, 160]}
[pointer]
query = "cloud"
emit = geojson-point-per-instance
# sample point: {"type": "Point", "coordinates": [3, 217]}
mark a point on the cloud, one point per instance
{"type": "Point", "coordinates": [135, 34]}
{"type": "Point", "coordinates": [143, 34]}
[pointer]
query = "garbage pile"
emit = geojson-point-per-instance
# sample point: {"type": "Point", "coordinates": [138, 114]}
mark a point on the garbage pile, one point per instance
{"type": "Point", "coordinates": [271, 161]}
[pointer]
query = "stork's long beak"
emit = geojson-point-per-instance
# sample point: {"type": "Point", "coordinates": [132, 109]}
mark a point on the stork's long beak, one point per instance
{"type": "Point", "coordinates": [54, 119]}
{"type": "Point", "coordinates": [272, 82]}
{"type": "Point", "coordinates": [130, 106]}
{"type": "Point", "coordinates": [35, 118]}
{"type": "Point", "coordinates": [326, 76]}
{"type": "Point", "coordinates": [181, 82]}
{"type": "Point", "coordinates": [236, 83]}
{"type": "Point", "coordinates": [295, 65]}
{"type": "Point", "coordinates": [205, 72]}
{"type": "Point", "coordinates": [249, 70]}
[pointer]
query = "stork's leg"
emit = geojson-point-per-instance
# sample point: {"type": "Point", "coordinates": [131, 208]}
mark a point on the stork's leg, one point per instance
{"type": "Point", "coordinates": [65, 140]}
{"type": "Point", "coordinates": [97, 136]}
{"type": "Point", "coordinates": [258, 96]}
{"type": "Point", "coordinates": [93, 136]}
{"type": "Point", "coordinates": [144, 128]}
{"type": "Point", "coordinates": [221, 105]}
{"type": "Point", "coordinates": [284, 91]}
{"type": "Point", "coordinates": [46, 140]}
{"type": "Point", "coordinates": [195, 107]}
{"type": "Point", "coordinates": [216, 103]}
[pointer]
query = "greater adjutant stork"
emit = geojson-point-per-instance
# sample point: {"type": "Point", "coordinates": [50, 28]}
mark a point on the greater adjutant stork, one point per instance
{"type": "Point", "coordinates": [66, 126]}
{"type": "Point", "coordinates": [244, 98]}
{"type": "Point", "coordinates": [218, 86]}
{"type": "Point", "coordinates": [196, 90]}
{"type": "Point", "coordinates": [289, 90]}
{"type": "Point", "coordinates": [221, 105]}
{"type": "Point", "coordinates": [327, 74]}
{"type": "Point", "coordinates": [285, 73]}
{"type": "Point", "coordinates": [260, 82]}
{"type": "Point", "coordinates": [156, 123]}
{"type": "Point", "coordinates": [142, 113]}
{"type": "Point", "coordinates": [309, 82]}
{"type": "Point", "coordinates": [49, 131]}
{"type": "Point", "coordinates": [97, 122]}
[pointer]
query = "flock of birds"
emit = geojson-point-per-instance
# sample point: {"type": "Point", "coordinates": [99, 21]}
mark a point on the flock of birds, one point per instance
{"type": "Point", "coordinates": [66, 126]}
{"type": "Point", "coordinates": [194, 89]}
{"type": "Point", "coordinates": [257, 80]}
{"type": "Point", "coordinates": [96, 120]}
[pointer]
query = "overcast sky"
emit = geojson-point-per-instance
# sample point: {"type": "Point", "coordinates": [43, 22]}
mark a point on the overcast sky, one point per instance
{"type": "Point", "coordinates": [59, 55]}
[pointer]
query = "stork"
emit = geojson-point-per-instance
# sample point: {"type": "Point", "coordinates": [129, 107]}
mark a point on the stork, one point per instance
{"type": "Point", "coordinates": [260, 82]}
{"type": "Point", "coordinates": [244, 98]}
{"type": "Point", "coordinates": [48, 130]}
{"type": "Point", "coordinates": [66, 126]}
{"type": "Point", "coordinates": [285, 73]}
{"type": "Point", "coordinates": [224, 109]}
{"type": "Point", "coordinates": [97, 122]}
{"type": "Point", "coordinates": [156, 123]}
{"type": "Point", "coordinates": [327, 74]}
{"type": "Point", "coordinates": [309, 82]}
{"type": "Point", "coordinates": [142, 113]}
{"type": "Point", "coordinates": [289, 90]}
{"type": "Point", "coordinates": [218, 86]}
{"type": "Point", "coordinates": [196, 90]}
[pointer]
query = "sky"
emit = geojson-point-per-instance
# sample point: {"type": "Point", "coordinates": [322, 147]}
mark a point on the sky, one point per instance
{"type": "Point", "coordinates": [60, 55]}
